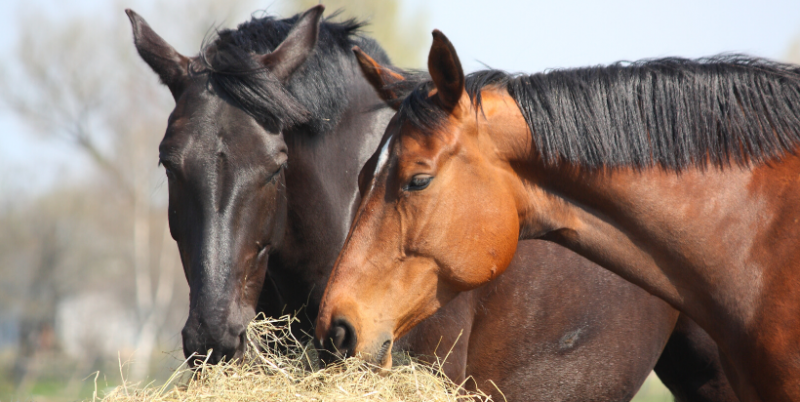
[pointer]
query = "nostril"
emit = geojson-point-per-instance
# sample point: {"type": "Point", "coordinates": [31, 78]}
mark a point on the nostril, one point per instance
{"type": "Point", "coordinates": [338, 336]}
{"type": "Point", "coordinates": [384, 351]}
{"type": "Point", "coordinates": [342, 336]}
{"type": "Point", "coordinates": [191, 342]}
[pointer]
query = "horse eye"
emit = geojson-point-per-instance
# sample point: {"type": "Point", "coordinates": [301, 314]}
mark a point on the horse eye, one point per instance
{"type": "Point", "coordinates": [419, 182]}
{"type": "Point", "coordinates": [168, 171]}
{"type": "Point", "coordinates": [167, 168]}
{"type": "Point", "coordinates": [274, 176]}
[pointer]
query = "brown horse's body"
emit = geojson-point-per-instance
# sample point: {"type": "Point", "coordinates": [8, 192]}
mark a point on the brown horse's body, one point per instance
{"type": "Point", "coordinates": [447, 202]}
{"type": "Point", "coordinates": [719, 245]}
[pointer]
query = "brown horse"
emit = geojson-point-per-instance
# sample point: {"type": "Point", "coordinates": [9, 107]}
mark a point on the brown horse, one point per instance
{"type": "Point", "coordinates": [681, 176]}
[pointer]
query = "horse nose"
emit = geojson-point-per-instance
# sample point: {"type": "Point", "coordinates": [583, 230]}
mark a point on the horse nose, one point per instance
{"type": "Point", "coordinates": [226, 345]}
{"type": "Point", "coordinates": [340, 341]}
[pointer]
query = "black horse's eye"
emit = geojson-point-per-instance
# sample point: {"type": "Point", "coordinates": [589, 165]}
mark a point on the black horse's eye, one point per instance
{"type": "Point", "coordinates": [167, 170]}
{"type": "Point", "coordinates": [167, 167]}
{"type": "Point", "coordinates": [419, 182]}
{"type": "Point", "coordinates": [273, 176]}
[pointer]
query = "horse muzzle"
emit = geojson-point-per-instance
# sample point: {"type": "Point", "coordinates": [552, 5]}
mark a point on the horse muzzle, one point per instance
{"type": "Point", "coordinates": [341, 342]}
{"type": "Point", "coordinates": [224, 342]}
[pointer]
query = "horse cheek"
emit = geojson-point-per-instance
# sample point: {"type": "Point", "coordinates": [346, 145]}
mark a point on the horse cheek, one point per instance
{"type": "Point", "coordinates": [491, 241]}
{"type": "Point", "coordinates": [504, 241]}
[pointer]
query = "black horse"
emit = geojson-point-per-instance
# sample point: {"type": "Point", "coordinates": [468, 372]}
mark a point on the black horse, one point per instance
{"type": "Point", "coordinates": [272, 123]}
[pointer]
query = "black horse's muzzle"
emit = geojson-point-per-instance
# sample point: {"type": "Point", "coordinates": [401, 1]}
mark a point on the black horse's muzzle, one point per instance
{"type": "Point", "coordinates": [225, 342]}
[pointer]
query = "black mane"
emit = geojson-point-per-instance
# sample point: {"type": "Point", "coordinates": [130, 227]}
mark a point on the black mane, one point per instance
{"type": "Point", "coordinates": [315, 95]}
{"type": "Point", "coordinates": [671, 112]}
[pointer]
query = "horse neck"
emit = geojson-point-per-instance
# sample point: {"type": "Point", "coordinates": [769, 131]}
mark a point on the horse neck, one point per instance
{"type": "Point", "coordinates": [683, 236]}
{"type": "Point", "coordinates": [659, 229]}
{"type": "Point", "coordinates": [322, 187]}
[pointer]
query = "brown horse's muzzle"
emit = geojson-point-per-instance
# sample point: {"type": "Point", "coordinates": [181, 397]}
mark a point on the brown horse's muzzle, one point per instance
{"type": "Point", "coordinates": [341, 342]}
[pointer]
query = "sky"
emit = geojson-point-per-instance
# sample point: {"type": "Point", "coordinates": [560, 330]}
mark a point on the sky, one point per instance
{"type": "Point", "coordinates": [516, 36]}
{"type": "Point", "coordinates": [531, 36]}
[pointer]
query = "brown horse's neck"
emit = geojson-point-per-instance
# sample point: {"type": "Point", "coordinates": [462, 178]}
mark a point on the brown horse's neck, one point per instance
{"type": "Point", "coordinates": [685, 237]}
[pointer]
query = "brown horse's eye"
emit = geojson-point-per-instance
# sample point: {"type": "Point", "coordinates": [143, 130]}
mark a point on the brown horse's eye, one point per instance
{"type": "Point", "coordinates": [419, 182]}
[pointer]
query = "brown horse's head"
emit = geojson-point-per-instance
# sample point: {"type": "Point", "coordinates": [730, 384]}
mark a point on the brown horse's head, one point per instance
{"type": "Point", "coordinates": [224, 161]}
{"type": "Point", "coordinates": [417, 239]}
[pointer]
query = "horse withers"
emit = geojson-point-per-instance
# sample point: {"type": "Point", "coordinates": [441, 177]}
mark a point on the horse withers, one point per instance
{"type": "Point", "coordinates": [262, 153]}
{"type": "Point", "coordinates": [679, 175]}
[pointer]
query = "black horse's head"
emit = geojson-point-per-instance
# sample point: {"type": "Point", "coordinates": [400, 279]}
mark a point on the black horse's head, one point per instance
{"type": "Point", "coordinates": [224, 156]}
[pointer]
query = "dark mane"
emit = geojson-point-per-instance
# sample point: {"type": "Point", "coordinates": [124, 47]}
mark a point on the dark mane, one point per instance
{"type": "Point", "coordinates": [671, 112]}
{"type": "Point", "coordinates": [316, 94]}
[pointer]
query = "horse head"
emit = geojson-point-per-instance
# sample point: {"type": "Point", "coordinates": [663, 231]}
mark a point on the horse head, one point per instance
{"type": "Point", "coordinates": [224, 155]}
{"type": "Point", "coordinates": [416, 241]}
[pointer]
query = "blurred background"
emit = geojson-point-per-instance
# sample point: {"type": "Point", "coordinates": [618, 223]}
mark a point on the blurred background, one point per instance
{"type": "Point", "coordinates": [90, 280]}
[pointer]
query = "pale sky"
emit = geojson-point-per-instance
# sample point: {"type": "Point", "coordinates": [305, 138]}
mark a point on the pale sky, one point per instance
{"type": "Point", "coordinates": [531, 36]}
{"type": "Point", "coordinates": [517, 36]}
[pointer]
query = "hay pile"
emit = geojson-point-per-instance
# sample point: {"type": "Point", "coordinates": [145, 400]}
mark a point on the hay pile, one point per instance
{"type": "Point", "coordinates": [278, 367]}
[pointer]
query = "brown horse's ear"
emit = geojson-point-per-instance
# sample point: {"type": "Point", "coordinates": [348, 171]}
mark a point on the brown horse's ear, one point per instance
{"type": "Point", "coordinates": [381, 78]}
{"type": "Point", "coordinates": [172, 67]}
{"type": "Point", "coordinates": [445, 70]}
{"type": "Point", "coordinates": [297, 47]}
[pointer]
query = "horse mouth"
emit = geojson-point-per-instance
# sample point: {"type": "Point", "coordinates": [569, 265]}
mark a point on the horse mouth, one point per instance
{"type": "Point", "coordinates": [384, 356]}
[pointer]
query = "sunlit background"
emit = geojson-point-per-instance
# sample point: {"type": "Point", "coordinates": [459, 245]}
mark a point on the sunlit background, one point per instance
{"type": "Point", "coordinates": [89, 277]}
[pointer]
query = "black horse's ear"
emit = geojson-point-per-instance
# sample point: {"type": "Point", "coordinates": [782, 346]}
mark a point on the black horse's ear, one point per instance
{"type": "Point", "coordinates": [381, 78]}
{"type": "Point", "coordinates": [445, 70]}
{"type": "Point", "coordinates": [172, 67]}
{"type": "Point", "coordinates": [297, 47]}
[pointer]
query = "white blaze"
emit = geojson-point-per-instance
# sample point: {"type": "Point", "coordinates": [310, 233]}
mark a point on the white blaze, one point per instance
{"type": "Point", "coordinates": [382, 159]}
{"type": "Point", "coordinates": [384, 156]}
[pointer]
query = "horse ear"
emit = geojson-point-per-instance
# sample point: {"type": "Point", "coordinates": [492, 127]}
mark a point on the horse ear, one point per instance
{"type": "Point", "coordinates": [171, 67]}
{"type": "Point", "coordinates": [381, 78]}
{"type": "Point", "coordinates": [445, 70]}
{"type": "Point", "coordinates": [297, 47]}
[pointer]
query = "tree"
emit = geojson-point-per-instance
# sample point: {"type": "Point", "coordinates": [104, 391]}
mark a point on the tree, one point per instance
{"type": "Point", "coordinates": [78, 80]}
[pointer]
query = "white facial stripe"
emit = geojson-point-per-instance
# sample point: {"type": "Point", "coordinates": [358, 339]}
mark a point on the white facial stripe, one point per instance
{"type": "Point", "coordinates": [384, 156]}
{"type": "Point", "coordinates": [382, 159]}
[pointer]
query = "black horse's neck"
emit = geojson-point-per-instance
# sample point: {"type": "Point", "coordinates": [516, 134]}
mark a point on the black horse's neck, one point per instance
{"type": "Point", "coordinates": [325, 156]}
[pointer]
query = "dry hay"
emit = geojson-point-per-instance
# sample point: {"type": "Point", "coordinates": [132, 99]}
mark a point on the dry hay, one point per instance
{"type": "Point", "coordinates": [278, 367]}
